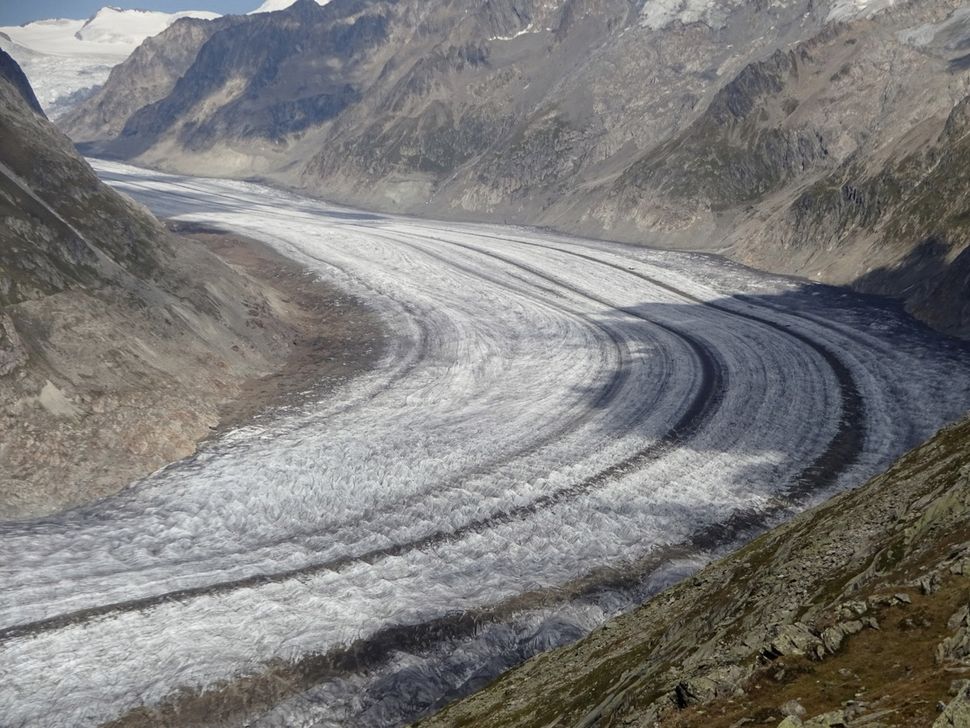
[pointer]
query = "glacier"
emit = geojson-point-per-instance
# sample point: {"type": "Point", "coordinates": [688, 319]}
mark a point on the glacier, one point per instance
{"type": "Point", "coordinates": [558, 428]}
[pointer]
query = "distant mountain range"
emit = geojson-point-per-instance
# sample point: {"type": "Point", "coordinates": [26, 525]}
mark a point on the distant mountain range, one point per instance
{"type": "Point", "coordinates": [68, 59]}
{"type": "Point", "coordinates": [818, 138]}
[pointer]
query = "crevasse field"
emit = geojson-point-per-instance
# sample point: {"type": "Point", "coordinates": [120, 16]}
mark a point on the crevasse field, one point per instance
{"type": "Point", "coordinates": [557, 429]}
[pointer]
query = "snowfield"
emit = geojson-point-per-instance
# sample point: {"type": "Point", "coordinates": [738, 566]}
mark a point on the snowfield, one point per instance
{"type": "Point", "coordinates": [658, 14]}
{"type": "Point", "coordinates": [65, 60]}
{"type": "Point", "coordinates": [558, 428]}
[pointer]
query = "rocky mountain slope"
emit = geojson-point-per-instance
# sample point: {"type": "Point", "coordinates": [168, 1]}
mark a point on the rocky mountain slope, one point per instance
{"type": "Point", "coordinates": [146, 76]}
{"type": "Point", "coordinates": [853, 614]}
{"type": "Point", "coordinates": [120, 344]}
{"type": "Point", "coordinates": [804, 137]}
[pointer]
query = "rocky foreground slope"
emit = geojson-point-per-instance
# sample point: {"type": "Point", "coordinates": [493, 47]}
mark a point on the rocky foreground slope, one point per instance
{"type": "Point", "coordinates": [818, 138]}
{"type": "Point", "coordinates": [853, 614]}
{"type": "Point", "coordinates": [120, 343]}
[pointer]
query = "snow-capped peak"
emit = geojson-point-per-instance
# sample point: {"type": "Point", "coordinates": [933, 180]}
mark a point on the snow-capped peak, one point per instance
{"type": "Point", "coordinates": [110, 31]}
{"type": "Point", "coordinates": [131, 27]}
{"type": "Point", "coordinates": [270, 6]}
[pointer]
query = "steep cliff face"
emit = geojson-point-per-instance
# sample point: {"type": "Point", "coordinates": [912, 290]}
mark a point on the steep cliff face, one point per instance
{"type": "Point", "coordinates": [884, 209]}
{"type": "Point", "coordinates": [853, 614]}
{"type": "Point", "coordinates": [776, 132]}
{"type": "Point", "coordinates": [54, 207]}
{"type": "Point", "coordinates": [15, 79]}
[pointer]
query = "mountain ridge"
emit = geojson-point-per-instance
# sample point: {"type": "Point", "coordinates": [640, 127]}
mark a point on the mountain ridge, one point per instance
{"type": "Point", "coordinates": [701, 125]}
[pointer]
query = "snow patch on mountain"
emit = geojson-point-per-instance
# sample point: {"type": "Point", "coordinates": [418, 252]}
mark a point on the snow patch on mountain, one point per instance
{"type": "Point", "coordinates": [846, 10]}
{"type": "Point", "coordinates": [67, 60]}
{"type": "Point", "coordinates": [271, 6]}
{"type": "Point", "coordinates": [658, 14]}
{"type": "Point", "coordinates": [953, 34]}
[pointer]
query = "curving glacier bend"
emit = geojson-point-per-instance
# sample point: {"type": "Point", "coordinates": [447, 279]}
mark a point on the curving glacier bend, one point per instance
{"type": "Point", "coordinates": [557, 428]}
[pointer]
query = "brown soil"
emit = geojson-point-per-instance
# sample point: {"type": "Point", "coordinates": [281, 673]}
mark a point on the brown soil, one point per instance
{"type": "Point", "coordinates": [335, 337]}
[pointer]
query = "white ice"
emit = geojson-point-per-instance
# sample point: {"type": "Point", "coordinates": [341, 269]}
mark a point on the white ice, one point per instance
{"type": "Point", "coordinates": [63, 58]}
{"type": "Point", "coordinates": [518, 364]}
{"type": "Point", "coordinates": [847, 10]}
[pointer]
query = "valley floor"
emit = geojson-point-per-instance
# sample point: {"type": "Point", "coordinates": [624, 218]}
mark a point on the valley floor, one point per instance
{"type": "Point", "coordinates": [556, 429]}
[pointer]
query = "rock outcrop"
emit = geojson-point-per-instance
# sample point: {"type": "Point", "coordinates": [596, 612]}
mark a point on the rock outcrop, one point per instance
{"type": "Point", "coordinates": [146, 77]}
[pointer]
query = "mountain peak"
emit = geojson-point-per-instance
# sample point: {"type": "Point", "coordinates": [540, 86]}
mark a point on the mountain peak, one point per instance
{"type": "Point", "coordinates": [130, 27]}
{"type": "Point", "coordinates": [272, 6]}
{"type": "Point", "coordinates": [11, 71]}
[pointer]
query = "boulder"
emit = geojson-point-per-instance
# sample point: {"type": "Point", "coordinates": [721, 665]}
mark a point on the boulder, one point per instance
{"type": "Point", "coordinates": [956, 647]}
{"type": "Point", "coordinates": [957, 712]}
{"type": "Point", "coordinates": [719, 683]}
{"type": "Point", "coordinates": [794, 639]}
{"type": "Point", "coordinates": [835, 719]}
{"type": "Point", "coordinates": [793, 708]}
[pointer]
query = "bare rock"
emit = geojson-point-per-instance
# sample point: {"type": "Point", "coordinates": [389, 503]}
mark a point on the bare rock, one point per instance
{"type": "Point", "coordinates": [793, 708]}
{"type": "Point", "coordinates": [957, 646]}
{"type": "Point", "coordinates": [12, 352]}
{"type": "Point", "coordinates": [719, 683]}
{"type": "Point", "coordinates": [794, 639]}
{"type": "Point", "coordinates": [834, 719]}
{"type": "Point", "coordinates": [957, 713]}
{"type": "Point", "coordinates": [853, 609]}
